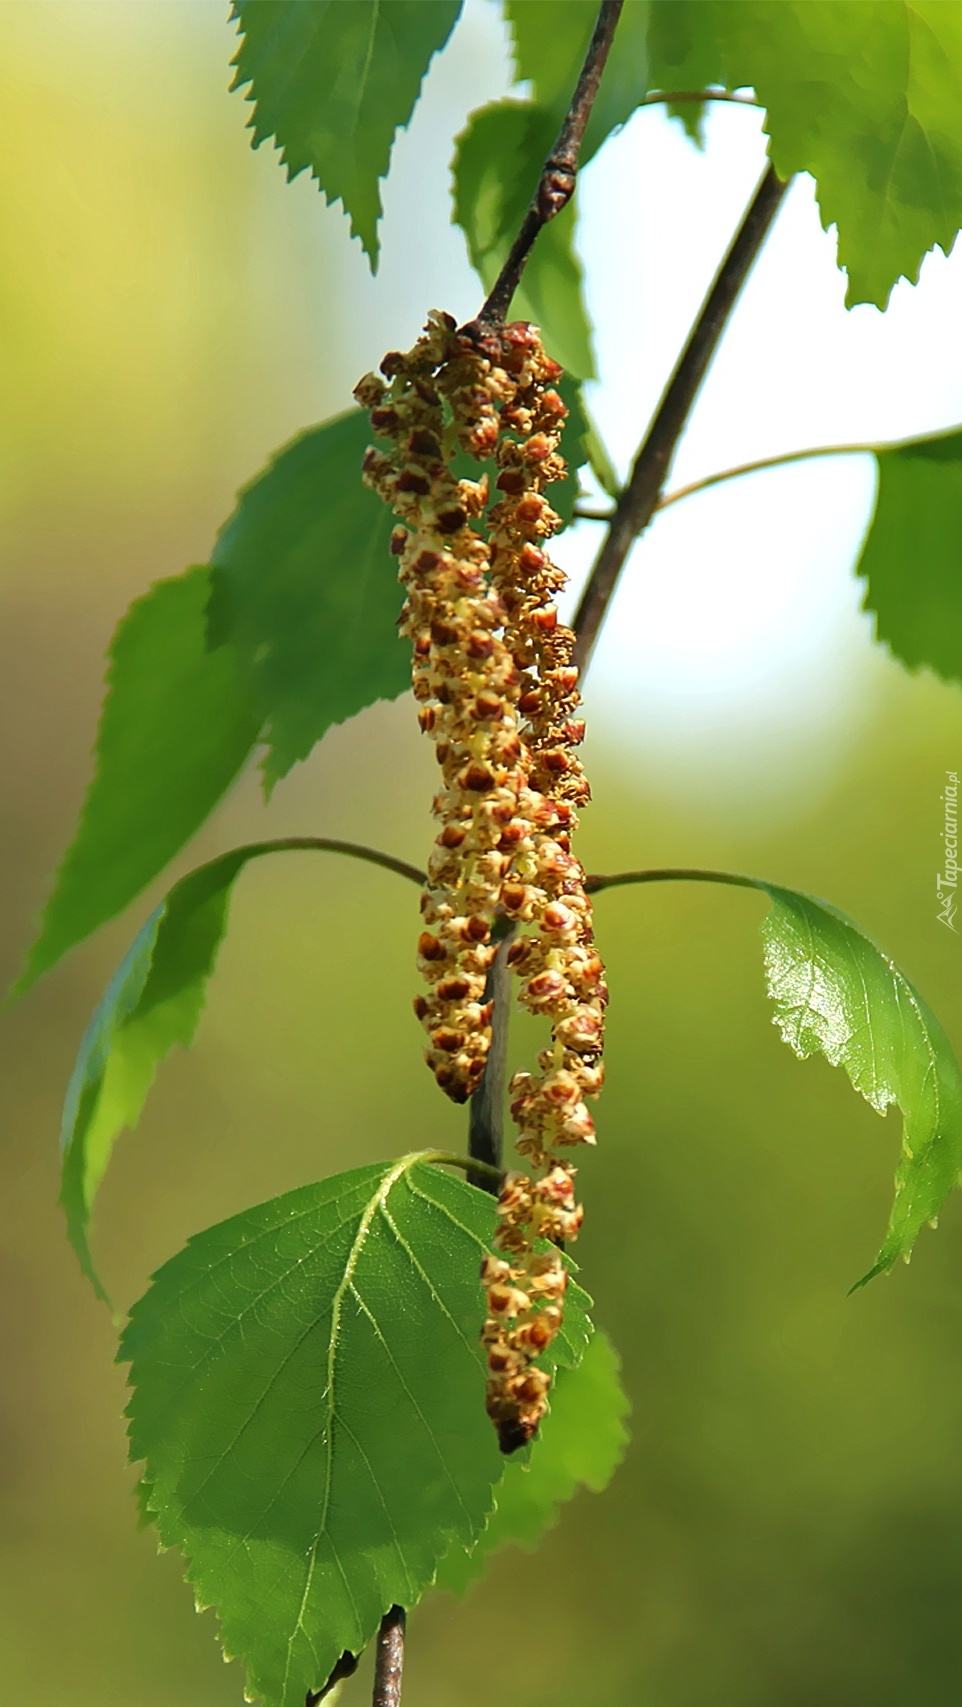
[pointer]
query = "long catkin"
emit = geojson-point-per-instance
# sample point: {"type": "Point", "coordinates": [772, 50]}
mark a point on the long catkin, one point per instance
{"type": "Point", "coordinates": [498, 694]}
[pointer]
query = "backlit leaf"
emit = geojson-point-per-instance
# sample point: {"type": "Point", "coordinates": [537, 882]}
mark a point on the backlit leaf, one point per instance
{"type": "Point", "coordinates": [177, 724]}
{"type": "Point", "coordinates": [306, 589]}
{"type": "Point", "coordinates": [333, 82]}
{"type": "Point", "coordinates": [580, 1444]}
{"type": "Point", "coordinates": [308, 1401]}
{"type": "Point", "coordinates": [866, 97]}
{"type": "Point", "coordinates": [912, 556]}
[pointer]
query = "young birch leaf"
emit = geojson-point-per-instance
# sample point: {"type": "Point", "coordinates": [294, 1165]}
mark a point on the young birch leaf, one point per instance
{"type": "Point", "coordinates": [308, 1401]}
{"type": "Point", "coordinates": [306, 589]}
{"type": "Point", "coordinates": [834, 991]}
{"type": "Point", "coordinates": [910, 559]}
{"type": "Point", "coordinates": [867, 98]}
{"type": "Point", "coordinates": [332, 83]}
{"type": "Point", "coordinates": [496, 167]}
{"type": "Point", "coordinates": [580, 1444]}
{"type": "Point", "coordinates": [153, 1001]}
{"type": "Point", "coordinates": [178, 722]}
{"type": "Point", "coordinates": [683, 53]}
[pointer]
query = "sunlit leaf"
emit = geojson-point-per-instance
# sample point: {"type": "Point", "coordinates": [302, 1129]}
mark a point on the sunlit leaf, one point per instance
{"type": "Point", "coordinates": [333, 82]}
{"type": "Point", "coordinates": [308, 1401]}
{"type": "Point", "coordinates": [912, 557]}
{"type": "Point", "coordinates": [836, 993]}
{"type": "Point", "coordinates": [867, 98]}
{"type": "Point", "coordinates": [306, 589]}
{"type": "Point", "coordinates": [177, 724]}
{"type": "Point", "coordinates": [581, 1442]}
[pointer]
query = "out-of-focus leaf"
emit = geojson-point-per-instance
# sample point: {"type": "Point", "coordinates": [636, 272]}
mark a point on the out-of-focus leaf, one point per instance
{"type": "Point", "coordinates": [599, 460]}
{"type": "Point", "coordinates": [308, 1402]}
{"type": "Point", "coordinates": [573, 447]}
{"type": "Point", "coordinates": [581, 1442]}
{"type": "Point", "coordinates": [912, 556]}
{"type": "Point", "coordinates": [177, 724]}
{"type": "Point", "coordinates": [836, 993]}
{"type": "Point", "coordinates": [333, 82]}
{"type": "Point", "coordinates": [496, 167]}
{"type": "Point", "coordinates": [684, 53]}
{"type": "Point", "coordinates": [306, 589]}
{"type": "Point", "coordinates": [867, 98]}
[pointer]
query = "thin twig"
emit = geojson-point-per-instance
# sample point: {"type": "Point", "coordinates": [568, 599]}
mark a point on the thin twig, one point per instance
{"type": "Point", "coordinates": [557, 181]}
{"type": "Point", "coordinates": [346, 1667]}
{"type": "Point", "coordinates": [783, 459]}
{"type": "Point", "coordinates": [389, 1659]}
{"type": "Point", "coordinates": [670, 874]}
{"type": "Point", "coordinates": [325, 844]}
{"type": "Point", "coordinates": [637, 503]}
{"type": "Point", "coordinates": [675, 97]}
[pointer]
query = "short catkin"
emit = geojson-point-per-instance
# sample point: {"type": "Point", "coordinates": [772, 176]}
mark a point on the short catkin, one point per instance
{"type": "Point", "coordinates": [498, 694]}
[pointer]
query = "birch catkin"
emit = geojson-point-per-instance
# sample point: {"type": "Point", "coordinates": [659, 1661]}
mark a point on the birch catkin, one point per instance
{"type": "Point", "coordinates": [498, 695]}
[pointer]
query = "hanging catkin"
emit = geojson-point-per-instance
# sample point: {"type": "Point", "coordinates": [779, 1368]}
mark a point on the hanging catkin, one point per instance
{"type": "Point", "coordinates": [497, 693]}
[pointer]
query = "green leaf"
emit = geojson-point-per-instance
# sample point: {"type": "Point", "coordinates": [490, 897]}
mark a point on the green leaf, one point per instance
{"type": "Point", "coordinates": [580, 1444]}
{"type": "Point", "coordinates": [599, 459]}
{"type": "Point", "coordinates": [308, 1401]}
{"type": "Point", "coordinates": [154, 1000]}
{"type": "Point", "coordinates": [683, 54]}
{"type": "Point", "coordinates": [574, 447]}
{"type": "Point", "coordinates": [306, 589]}
{"type": "Point", "coordinates": [911, 556]}
{"type": "Point", "coordinates": [177, 725]}
{"type": "Point", "coordinates": [836, 993]}
{"type": "Point", "coordinates": [867, 98]}
{"type": "Point", "coordinates": [332, 83]}
{"type": "Point", "coordinates": [496, 167]}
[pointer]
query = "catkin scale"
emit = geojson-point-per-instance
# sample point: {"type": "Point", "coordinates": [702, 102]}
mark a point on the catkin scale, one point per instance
{"type": "Point", "coordinates": [497, 693]}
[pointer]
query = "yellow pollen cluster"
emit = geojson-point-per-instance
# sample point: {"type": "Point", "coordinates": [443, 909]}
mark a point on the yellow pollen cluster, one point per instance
{"type": "Point", "coordinates": [497, 693]}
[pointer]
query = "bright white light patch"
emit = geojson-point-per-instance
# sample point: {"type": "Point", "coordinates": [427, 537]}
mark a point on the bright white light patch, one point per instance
{"type": "Point", "coordinates": [736, 646]}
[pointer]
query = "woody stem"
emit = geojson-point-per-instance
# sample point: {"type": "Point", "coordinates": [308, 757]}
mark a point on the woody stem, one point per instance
{"type": "Point", "coordinates": [486, 1116]}
{"type": "Point", "coordinates": [389, 1659]}
{"type": "Point", "coordinates": [634, 508]}
{"type": "Point", "coordinates": [556, 184]}
{"type": "Point", "coordinates": [639, 500]}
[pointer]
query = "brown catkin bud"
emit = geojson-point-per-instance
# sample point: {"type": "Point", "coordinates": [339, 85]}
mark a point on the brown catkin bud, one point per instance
{"type": "Point", "coordinates": [497, 692]}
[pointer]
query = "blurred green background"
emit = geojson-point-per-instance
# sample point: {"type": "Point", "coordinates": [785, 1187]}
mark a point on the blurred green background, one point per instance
{"type": "Point", "coordinates": [788, 1525]}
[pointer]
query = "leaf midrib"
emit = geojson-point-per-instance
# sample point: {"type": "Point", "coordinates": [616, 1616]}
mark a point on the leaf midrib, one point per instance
{"type": "Point", "coordinates": [388, 1181]}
